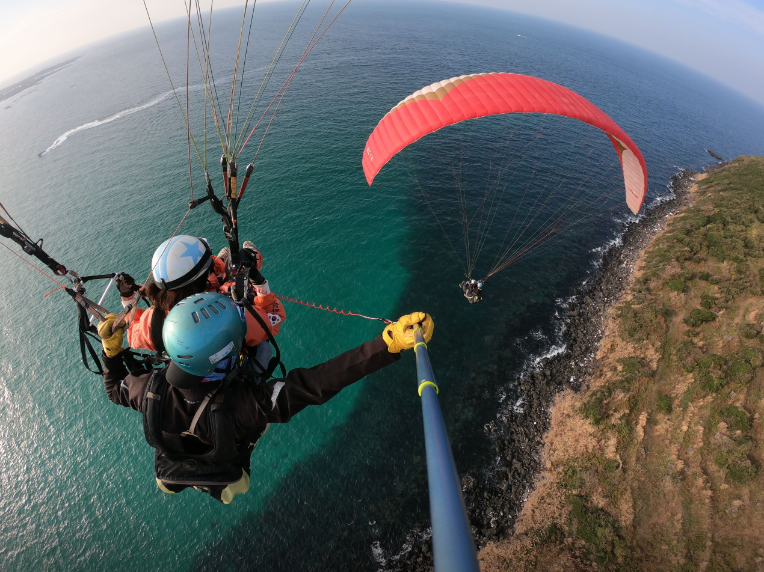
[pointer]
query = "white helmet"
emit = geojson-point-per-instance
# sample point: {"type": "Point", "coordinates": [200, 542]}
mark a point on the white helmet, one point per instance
{"type": "Point", "coordinates": [180, 260]}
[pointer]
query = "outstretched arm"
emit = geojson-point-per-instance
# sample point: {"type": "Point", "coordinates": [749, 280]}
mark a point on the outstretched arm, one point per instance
{"type": "Point", "coordinates": [280, 399]}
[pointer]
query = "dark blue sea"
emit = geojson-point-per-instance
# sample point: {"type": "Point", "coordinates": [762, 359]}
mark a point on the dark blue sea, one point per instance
{"type": "Point", "coordinates": [95, 161]}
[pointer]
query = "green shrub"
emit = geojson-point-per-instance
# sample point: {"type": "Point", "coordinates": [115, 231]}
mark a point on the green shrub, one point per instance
{"type": "Point", "coordinates": [572, 479]}
{"type": "Point", "coordinates": [752, 355]}
{"type": "Point", "coordinates": [698, 317]}
{"type": "Point", "coordinates": [600, 531]}
{"type": "Point", "coordinates": [711, 379]}
{"type": "Point", "coordinates": [594, 409]}
{"type": "Point", "coordinates": [718, 218]}
{"type": "Point", "coordinates": [641, 323]}
{"type": "Point", "coordinates": [649, 277]}
{"type": "Point", "coordinates": [676, 285]}
{"type": "Point", "coordinates": [734, 459]}
{"type": "Point", "coordinates": [623, 429]}
{"type": "Point", "coordinates": [711, 372]}
{"type": "Point", "coordinates": [611, 466]}
{"type": "Point", "coordinates": [696, 221]}
{"type": "Point", "coordinates": [658, 255]}
{"type": "Point", "coordinates": [707, 301]}
{"type": "Point", "coordinates": [664, 404]}
{"type": "Point", "coordinates": [735, 418]}
{"type": "Point", "coordinates": [740, 471]}
{"type": "Point", "coordinates": [705, 276]}
{"type": "Point", "coordinates": [552, 534]}
{"type": "Point", "coordinates": [749, 331]}
{"type": "Point", "coordinates": [711, 362]}
{"type": "Point", "coordinates": [695, 546]}
{"type": "Point", "coordinates": [688, 355]}
{"type": "Point", "coordinates": [632, 365]}
{"type": "Point", "coordinates": [740, 371]}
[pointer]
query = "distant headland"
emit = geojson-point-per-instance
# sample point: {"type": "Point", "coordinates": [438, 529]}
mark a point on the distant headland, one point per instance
{"type": "Point", "coordinates": [32, 80]}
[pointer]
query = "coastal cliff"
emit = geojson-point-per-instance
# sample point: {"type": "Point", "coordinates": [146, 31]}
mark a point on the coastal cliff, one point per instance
{"type": "Point", "coordinates": [651, 458]}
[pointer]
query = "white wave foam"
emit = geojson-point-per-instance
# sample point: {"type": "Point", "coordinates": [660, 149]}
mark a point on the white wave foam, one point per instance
{"type": "Point", "coordinates": [550, 353]}
{"type": "Point", "coordinates": [378, 553]}
{"type": "Point", "coordinates": [98, 122]}
{"type": "Point", "coordinates": [413, 537]}
{"type": "Point", "coordinates": [537, 334]}
{"type": "Point", "coordinates": [612, 243]}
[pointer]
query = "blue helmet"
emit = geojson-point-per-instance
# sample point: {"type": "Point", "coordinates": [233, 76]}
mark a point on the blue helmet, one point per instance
{"type": "Point", "coordinates": [198, 333]}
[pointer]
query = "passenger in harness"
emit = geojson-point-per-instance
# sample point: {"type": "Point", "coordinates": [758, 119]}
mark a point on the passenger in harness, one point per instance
{"type": "Point", "coordinates": [184, 265]}
{"type": "Point", "coordinates": [204, 427]}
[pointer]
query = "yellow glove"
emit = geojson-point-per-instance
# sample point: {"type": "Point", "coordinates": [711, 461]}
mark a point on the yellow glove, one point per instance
{"type": "Point", "coordinates": [112, 342]}
{"type": "Point", "coordinates": [400, 335]}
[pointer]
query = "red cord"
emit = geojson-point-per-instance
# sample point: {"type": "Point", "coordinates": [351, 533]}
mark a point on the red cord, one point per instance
{"type": "Point", "coordinates": [55, 290]}
{"type": "Point", "coordinates": [327, 309]}
{"type": "Point", "coordinates": [33, 266]}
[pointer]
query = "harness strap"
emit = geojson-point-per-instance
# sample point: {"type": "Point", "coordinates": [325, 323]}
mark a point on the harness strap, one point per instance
{"type": "Point", "coordinates": [86, 347]}
{"type": "Point", "coordinates": [197, 415]}
{"type": "Point", "coordinates": [157, 322]}
{"type": "Point", "coordinates": [151, 413]}
{"type": "Point", "coordinates": [275, 360]}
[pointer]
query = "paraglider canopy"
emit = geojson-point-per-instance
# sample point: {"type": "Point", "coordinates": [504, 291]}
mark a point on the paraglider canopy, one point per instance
{"type": "Point", "coordinates": [477, 95]}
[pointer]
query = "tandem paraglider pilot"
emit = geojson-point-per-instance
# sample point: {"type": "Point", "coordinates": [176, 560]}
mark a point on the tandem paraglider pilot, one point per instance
{"type": "Point", "coordinates": [205, 411]}
{"type": "Point", "coordinates": [473, 290]}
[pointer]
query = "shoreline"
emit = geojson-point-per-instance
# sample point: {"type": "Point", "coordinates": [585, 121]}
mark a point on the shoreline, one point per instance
{"type": "Point", "coordinates": [495, 498]}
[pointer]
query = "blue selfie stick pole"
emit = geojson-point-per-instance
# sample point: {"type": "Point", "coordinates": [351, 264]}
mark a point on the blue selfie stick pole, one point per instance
{"type": "Point", "coordinates": [452, 542]}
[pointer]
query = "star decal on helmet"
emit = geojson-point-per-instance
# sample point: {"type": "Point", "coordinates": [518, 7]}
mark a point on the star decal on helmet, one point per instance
{"type": "Point", "coordinates": [193, 251]}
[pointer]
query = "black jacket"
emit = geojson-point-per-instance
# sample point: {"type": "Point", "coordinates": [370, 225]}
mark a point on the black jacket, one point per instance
{"type": "Point", "coordinates": [254, 406]}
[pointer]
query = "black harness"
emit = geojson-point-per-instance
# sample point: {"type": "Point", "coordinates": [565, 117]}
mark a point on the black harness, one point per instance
{"type": "Point", "coordinates": [185, 460]}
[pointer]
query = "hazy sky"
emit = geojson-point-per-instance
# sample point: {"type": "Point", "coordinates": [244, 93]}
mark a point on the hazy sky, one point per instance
{"type": "Point", "coordinates": [721, 38]}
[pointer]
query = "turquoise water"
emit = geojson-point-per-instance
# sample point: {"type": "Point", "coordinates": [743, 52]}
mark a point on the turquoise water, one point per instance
{"type": "Point", "coordinates": [77, 480]}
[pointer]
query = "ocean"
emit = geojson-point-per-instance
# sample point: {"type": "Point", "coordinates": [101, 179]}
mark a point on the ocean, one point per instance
{"type": "Point", "coordinates": [95, 161]}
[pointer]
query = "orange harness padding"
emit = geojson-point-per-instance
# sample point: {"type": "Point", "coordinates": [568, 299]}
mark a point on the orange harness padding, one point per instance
{"type": "Point", "coordinates": [270, 309]}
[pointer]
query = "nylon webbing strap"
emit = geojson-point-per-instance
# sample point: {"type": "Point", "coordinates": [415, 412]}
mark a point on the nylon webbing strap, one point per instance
{"type": "Point", "coordinates": [198, 414]}
{"type": "Point", "coordinates": [278, 363]}
{"type": "Point", "coordinates": [85, 346]}
{"type": "Point", "coordinates": [157, 322]}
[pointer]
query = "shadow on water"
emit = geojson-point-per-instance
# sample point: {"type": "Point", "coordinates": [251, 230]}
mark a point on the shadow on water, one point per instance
{"type": "Point", "coordinates": [368, 485]}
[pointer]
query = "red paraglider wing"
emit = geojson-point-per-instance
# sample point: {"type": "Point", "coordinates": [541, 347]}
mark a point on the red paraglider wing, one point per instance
{"type": "Point", "coordinates": [477, 95]}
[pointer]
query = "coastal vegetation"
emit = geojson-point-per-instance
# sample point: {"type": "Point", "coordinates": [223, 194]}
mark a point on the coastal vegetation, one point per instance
{"type": "Point", "coordinates": [658, 463]}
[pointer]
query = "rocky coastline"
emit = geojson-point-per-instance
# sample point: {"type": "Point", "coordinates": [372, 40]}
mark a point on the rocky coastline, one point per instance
{"type": "Point", "coordinates": [495, 498]}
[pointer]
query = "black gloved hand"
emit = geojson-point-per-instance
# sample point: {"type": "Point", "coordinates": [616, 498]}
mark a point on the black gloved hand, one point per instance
{"type": "Point", "coordinates": [249, 257]}
{"type": "Point", "coordinates": [256, 277]}
{"type": "Point", "coordinates": [126, 285]}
